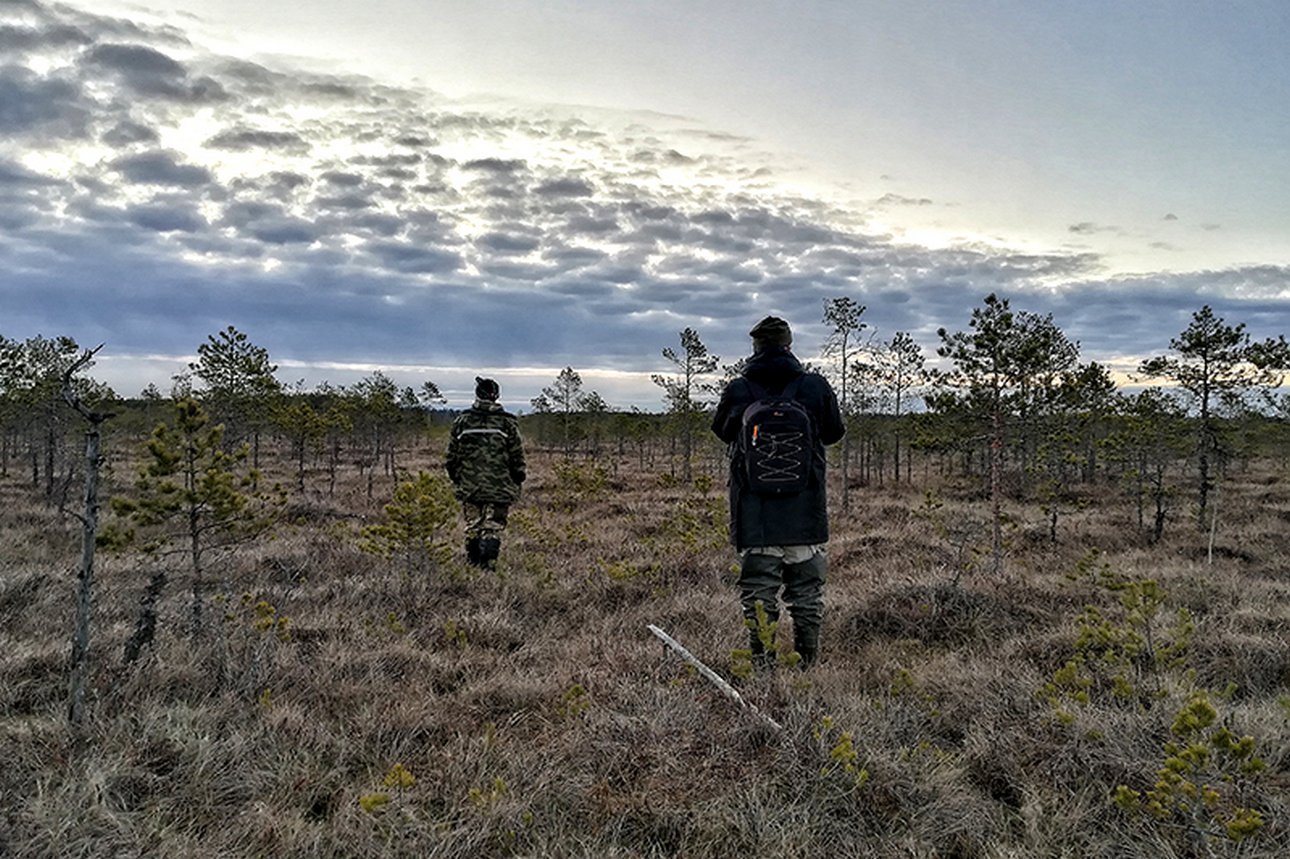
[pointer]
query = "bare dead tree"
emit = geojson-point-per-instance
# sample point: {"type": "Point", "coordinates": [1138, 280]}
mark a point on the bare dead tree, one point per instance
{"type": "Point", "coordinates": [79, 662]}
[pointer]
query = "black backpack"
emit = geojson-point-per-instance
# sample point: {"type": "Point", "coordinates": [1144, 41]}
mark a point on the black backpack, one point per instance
{"type": "Point", "coordinates": [777, 441]}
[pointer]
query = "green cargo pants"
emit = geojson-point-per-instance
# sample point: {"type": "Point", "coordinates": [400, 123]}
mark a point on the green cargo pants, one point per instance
{"type": "Point", "coordinates": [484, 519]}
{"type": "Point", "coordinates": [761, 578]}
{"type": "Point", "coordinates": [484, 526]}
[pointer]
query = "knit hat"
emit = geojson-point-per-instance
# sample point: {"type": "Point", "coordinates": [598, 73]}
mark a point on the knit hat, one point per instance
{"type": "Point", "coordinates": [486, 389]}
{"type": "Point", "coordinates": [771, 331]}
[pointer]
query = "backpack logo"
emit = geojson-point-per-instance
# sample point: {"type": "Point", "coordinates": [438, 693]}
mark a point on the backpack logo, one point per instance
{"type": "Point", "coordinates": [777, 442]}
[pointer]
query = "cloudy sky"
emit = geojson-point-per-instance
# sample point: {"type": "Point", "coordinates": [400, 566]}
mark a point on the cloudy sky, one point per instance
{"type": "Point", "coordinates": [438, 189]}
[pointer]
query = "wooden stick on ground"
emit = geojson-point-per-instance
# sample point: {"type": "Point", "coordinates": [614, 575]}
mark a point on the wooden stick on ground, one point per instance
{"type": "Point", "coordinates": [712, 676]}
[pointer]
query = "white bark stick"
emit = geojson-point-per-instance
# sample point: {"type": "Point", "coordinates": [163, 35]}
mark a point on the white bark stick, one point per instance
{"type": "Point", "coordinates": [712, 676]}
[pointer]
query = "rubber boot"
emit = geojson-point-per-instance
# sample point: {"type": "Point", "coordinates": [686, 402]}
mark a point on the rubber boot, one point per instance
{"type": "Point", "coordinates": [804, 593]}
{"type": "Point", "coordinates": [490, 546]}
{"type": "Point", "coordinates": [807, 644]}
{"type": "Point", "coordinates": [761, 660]}
{"type": "Point", "coordinates": [473, 556]}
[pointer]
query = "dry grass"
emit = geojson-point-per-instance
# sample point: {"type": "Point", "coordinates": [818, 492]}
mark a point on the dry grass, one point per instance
{"type": "Point", "coordinates": [244, 745]}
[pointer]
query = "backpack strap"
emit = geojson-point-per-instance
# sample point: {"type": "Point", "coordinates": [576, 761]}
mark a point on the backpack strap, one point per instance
{"type": "Point", "coordinates": [790, 390]}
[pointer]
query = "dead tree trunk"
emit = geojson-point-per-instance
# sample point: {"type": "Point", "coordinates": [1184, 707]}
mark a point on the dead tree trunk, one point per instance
{"type": "Point", "coordinates": [996, 492]}
{"type": "Point", "coordinates": [79, 661]}
{"type": "Point", "coordinates": [145, 628]}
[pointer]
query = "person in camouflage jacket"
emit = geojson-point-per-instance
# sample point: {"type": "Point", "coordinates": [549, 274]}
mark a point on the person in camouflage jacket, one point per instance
{"type": "Point", "coordinates": [486, 465]}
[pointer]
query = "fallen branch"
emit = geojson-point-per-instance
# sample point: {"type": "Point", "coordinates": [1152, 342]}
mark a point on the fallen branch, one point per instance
{"type": "Point", "coordinates": [712, 676]}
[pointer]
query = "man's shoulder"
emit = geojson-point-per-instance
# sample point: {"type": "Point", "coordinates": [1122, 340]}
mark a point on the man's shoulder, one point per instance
{"type": "Point", "coordinates": [478, 417]}
{"type": "Point", "coordinates": [492, 420]}
{"type": "Point", "coordinates": [742, 391]}
{"type": "Point", "coordinates": [494, 417]}
{"type": "Point", "coordinates": [806, 380]}
{"type": "Point", "coordinates": [815, 394]}
{"type": "Point", "coordinates": [811, 379]}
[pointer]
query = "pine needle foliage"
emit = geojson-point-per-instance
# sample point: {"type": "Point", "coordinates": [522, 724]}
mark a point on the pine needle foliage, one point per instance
{"type": "Point", "coordinates": [417, 524]}
{"type": "Point", "coordinates": [1123, 653]}
{"type": "Point", "coordinates": [1201, 781]}
{"type": "Point", "coordinates": [744, 662]}
{"type": "Point", "coordinates": [192, 497]}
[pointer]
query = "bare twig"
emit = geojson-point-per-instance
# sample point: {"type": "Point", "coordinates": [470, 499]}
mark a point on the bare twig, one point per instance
{"type": "Point", "coordinates": [712, 676]}
{"type": "Point", "coordinates": [69, 392]}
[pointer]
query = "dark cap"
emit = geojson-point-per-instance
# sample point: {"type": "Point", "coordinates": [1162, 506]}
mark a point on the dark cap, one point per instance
{"type": "Point", "coordinates": [771, 331]}
{"type": "Point", "coordinates": [486, 389]}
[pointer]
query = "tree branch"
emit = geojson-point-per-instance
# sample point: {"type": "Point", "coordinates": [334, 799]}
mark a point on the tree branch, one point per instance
{"type": "Point", "coordinates": [70, 395]}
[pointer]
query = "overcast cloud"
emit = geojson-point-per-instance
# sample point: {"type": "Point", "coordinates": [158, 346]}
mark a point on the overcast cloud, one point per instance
{"type": "Point", "coordinates": [152, 193]}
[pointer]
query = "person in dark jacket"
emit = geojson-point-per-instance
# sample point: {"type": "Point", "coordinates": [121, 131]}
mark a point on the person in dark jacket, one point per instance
{"type": "Point", "coordinates": [780, 538]}
{"type": "Point", "coordinates": [486, 465]}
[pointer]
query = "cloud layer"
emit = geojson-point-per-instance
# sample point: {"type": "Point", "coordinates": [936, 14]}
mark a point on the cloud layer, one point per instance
{"type": "Point", "coordinates": [152, 193]}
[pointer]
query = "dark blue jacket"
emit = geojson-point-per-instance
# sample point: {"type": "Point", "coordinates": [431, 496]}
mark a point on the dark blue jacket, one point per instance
{"type": "Point", "coordinates": [792, 520]}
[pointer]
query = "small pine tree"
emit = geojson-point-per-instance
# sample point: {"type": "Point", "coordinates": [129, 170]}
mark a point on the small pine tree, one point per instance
{"type": "Point", "coordinates": [1003, 371]}
{"type": "Point", "coordinates": [565, 398]}
{"type": "Point", "coordinates": [685, 392]}
{"type": "Point", "coordinates": [416, 524]}
{"type": "Point", "coordinates": [843, 314]}
{"type": "Point", "coordinates": [1217, 366]}
{"type": "Point", "coordinates": [239, 385]}
{"type": "Point", "coordinates": [300, 421]}
{"type": "Point", "coordinates": [193, 498]}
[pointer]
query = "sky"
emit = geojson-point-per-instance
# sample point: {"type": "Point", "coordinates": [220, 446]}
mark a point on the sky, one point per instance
{"type": "Point", "coordinates": [444, 189]}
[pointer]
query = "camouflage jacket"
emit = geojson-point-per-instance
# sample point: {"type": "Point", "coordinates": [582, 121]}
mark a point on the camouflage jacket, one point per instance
{"type": "Point", "coordinates": [486, 455]}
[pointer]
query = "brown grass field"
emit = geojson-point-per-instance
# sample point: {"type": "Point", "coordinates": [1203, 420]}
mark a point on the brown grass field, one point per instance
{"type": "Point", "coordinates": [537, 717]}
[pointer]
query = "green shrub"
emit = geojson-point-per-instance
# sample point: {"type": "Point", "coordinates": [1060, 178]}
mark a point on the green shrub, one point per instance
{"type": "Point", "coordinates": [417, 524]}
{"type": "Point", "coordinates": [1124, 653]}
{"type": "Point", "coordinates": [1201, 782]}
